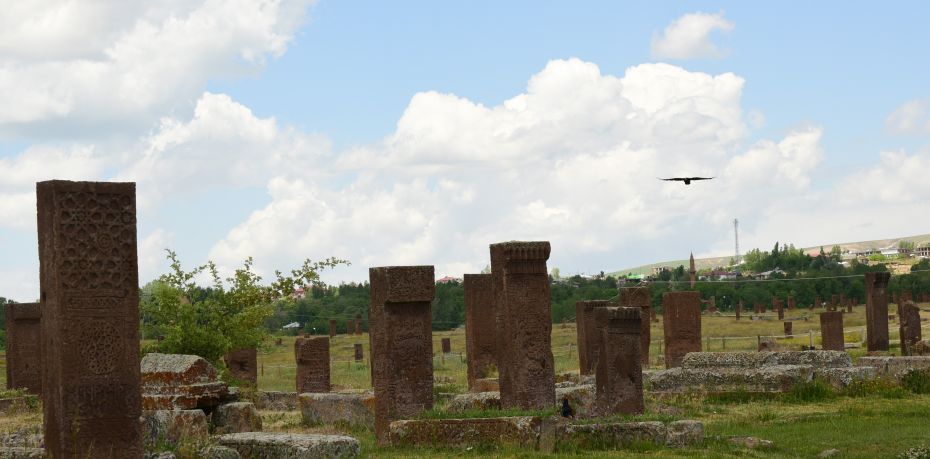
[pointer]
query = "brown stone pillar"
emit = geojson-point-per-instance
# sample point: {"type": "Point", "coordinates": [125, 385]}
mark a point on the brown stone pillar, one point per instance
{"type": "Point", "coordinates": [332, 328]}
{"type": "Point", "coordinates": [480, 327]}
{"type": "Point", "coordinates": [792, 305]}
{"type": "Point", "coordinates": [849, 306]}
{"type": "Point", "coordinates": [712, 305]}
{"type": "Point", "coordinates": [359, 352]}
{"type": "Point", "coordinates": [23, 347]}
{"type": "Point", "coordinates": [619, 376]}
{"type": "Point", "coordinates": [350, 326]}
{"type": "Point", "coordinates": [400, 327]}
{"type": "Point", "coordinates": [876, 310]}
{"type": "Point", "coordinates": [831, 331]}
{"type": "Point", "coordinates": [681, 314]}
{"type": "Point", "coordinates": [243, 364]}
{"type": "Point", "coordinates": [640, 297]}
{"type": "Point", "coordinates": [739, 309]}
{"type": "Point", "coordinates": [909, 326]}
{"type": "Point", "coordinates": [90, 319]}
{"type": "Point", "coordinates": [817, 303]}
{"type": "Point", "coordinates": [588, 335]}
{"type": "Point", "coordinates": [524, 324]}
{"type": "Point", "coordinates": [788, 326]}
{"type": "Point", "coordinates": [446, 345]}
{"type": "Point", "coordinates": [780, 308]}
{"type": "Point", "coordinates": [312, 355]}
{"type": "Point", "coordinates": [358, 324]}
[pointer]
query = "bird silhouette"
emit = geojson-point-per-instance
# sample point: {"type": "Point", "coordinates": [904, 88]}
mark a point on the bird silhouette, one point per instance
{"type": "Point", "coordinates": [687, 180]}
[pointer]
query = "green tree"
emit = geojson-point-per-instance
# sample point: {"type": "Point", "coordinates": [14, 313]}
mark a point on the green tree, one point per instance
{"type": "Point", "coordinates": [210, 322]}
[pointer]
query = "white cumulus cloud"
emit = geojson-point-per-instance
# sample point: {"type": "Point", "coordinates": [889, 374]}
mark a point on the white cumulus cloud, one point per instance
{"type": "Point", "coordinates": [689, 37]}
{"type": "Point", "coordinates": [912, 117]}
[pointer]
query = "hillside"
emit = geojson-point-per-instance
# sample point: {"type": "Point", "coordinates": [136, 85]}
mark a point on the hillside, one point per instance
{"type": "Point", "coordinates": [707, 263]}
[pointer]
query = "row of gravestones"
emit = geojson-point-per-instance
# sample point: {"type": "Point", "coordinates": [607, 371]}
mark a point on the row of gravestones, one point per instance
{"type": "Point", "coordinates": [89, 342]}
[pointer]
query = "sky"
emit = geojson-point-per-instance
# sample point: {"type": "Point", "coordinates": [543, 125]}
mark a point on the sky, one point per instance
{"type": "Point", "coordinates": [420, 132]}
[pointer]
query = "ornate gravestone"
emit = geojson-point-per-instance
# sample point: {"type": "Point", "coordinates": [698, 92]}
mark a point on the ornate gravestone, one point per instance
{"type": "Point", "coordinates": [312, 355]}
{"type": "Point", "coordinates": [400, 327]}
{"type": "Point", "coordinates": [619, 376]}
{"type": "Point", "coordinates": [332, 328]}
{"type": "Point", "coordinates": [358, 324]}
{"type": "Point", "coordinates": [788, 328]}
{"type": "Point", "coordinates": [480, 327]}
{"type": "Point", "coordinates": [640, 297]}
{"type": "Point", "coordinates": [90, 319]}
{"type": "Point", "coordinates": [524, 324]}
{"type": "Point", "coordinates": [909, 327]}
{"type": "Point", "coordinates": [739, 309]}
{"type": "Point", "coordinates": [589, 339]}
{"type": "Point", "coordinates": [23, 347]}
{"type": "Point", "coordinates": [682, 324]}
{"type": "Point", "coordinates": [446, 345]}
{"type": "Point", "coordinates": [876, 310]}
{"type": "Point", "coordinates": [831, 331]}
{"type": "Point", "coordinates": [243, 364]}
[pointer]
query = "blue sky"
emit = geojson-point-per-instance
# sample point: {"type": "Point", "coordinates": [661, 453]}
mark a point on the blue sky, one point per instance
{"type": "Point", "coordinates": [420, 132]}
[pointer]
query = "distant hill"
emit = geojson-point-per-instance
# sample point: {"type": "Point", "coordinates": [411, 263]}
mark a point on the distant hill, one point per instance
{"type": "Point", "coordinates": [708, 263]}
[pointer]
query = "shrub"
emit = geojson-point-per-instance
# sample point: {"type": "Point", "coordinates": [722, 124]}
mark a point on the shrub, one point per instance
{"type": "Point", "coordinates": [809, 392]}
{"type": "Point", "coordinates": [881, 387]}
{"type": "Point", "coordinates": [917, 381]}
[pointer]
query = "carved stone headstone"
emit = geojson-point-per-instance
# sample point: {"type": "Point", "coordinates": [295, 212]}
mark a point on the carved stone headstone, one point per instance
{"type": "Point", "coordinates": [243, 364]}
{"type": "Point", "coordinates": [400, 327]}
{"type": "Point", "coordinates": [640, 297]}
{"type": "Point", "coordinates": [831, 331]}
{"type": "Point", "coordinates": [589, 339]}
{"type": "Point", "coordinates": [332, 328]}
{"type": "Point", "coordinates": [739, 309]}
{"type": "Point", "coordinates": [909, 327]}
{"type": "Point", "coordinates": [359, 352]}
{"type": "Point", "coordinates": [779, 307]}
{"type": "Point", "coordinates": [792, 305]}
{"type": "Point", "coordinates": [312, 355]}
{"type": "Point", "coordinates": [876, 310]}
{"type": "Point", "coordinates": [358, 324]}
{"type": "Point", "coordinates": [619, 376]}
{"type": "Point", "coordinates": [350, 326]}
{"type": "Point", "coordinates": [524, 324]}
{"type": "Point", "coordinates": [480, 327]}
{"type": "Point", "coordinates": [90, 319]}
{"type": "Point", "coordinates": [23, 347]}
{"type": "Point", "coordinates": [788, 327]}
{"type": "Point", "coordinates": [681, 313]}
{"type": "Point", "coordinates": [446, 345]}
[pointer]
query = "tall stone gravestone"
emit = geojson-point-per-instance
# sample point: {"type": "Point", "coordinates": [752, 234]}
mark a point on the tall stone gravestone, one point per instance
{"type": "Point", "coordinates": [243, 364]}
{"type": "Point", "coordinates": [312, 355]}
{"type": "Point", "coordinates": [358, 324]}
{"type": "Point", "coordinates": [480, 327]}
{"type": "Point", "coordinates": [640, 297]}
{"type": "Point", "coordinates": [876, 310]}
{"type": "Point", "coordinates": [739, 309]}
{"type": "Point", "coordinates": [400, 327]}
{"type": "Point", "coordinates": [792, 305]}
{"type": "Point", "coordinates": [619, 376]}
{"type": "Point", "coordinates": [831, 331]}
{"type": "Point", "coordinates": [332, 328]}
{"type": "Point", "coordinates": [23, 347]}
{"type": "Point", "coordinates": [359, 352]}
{"type": "Point", "coordinates": [89, 278]}
{"type": "Point", "coordinates": [589, 339]}
{"type": "Point", "coordinates": [909, 326]}
{"type": "Point", "coordinates": [524, 324]}
{"type": "Point", "coordinates": [681, 313]}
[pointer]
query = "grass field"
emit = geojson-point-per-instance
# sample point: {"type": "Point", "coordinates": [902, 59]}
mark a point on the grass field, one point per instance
{"type": "Point", "coordinates": [881, 423]}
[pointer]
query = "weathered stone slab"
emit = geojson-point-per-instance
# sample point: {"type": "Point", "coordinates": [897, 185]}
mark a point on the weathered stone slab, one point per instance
{"type": "Point", "coordinates": [831, 331]}
{"type": "Point", "coordinates": [876, 310]}
{"type": "Point", "coordinates": [486, 385]}
{"type": "Point", "coordinates": [640, 297]}
{"type": "Point", "coordinates": [243, 364]}
{"type": "Point", "coordinates": [681, 317]}
{"type": "Point", "coordinates": [312, 356]}
{"type": "Point", "coordinates": [909, 327]}
{"type": "Point", "coordinates": [582, 398]}
{"type": "Point", "coordinates": [480, 329]}
{"type": "Point", "coordinates": [236, 417]}
{"type": "Point", "coordinates": [817, 359]}
{"type": "Point", "coordinates": [170, 426]}
{"type": "Point", "coordinates": [842, 377]}
{"type": "Point", "coordinates": [267, 445]}
{"type": "Point", "coordinates": [618, 434]}
{"type": "Point", "coordinates": [896, 367]}
{"type": "Point", "coordinates": [520, 431]}
{"type": "Point", "coordinates": [23, 347]}
{"type": "Point", "coordinates": [619, 376]}
{"type": "Point", "coordinates": [90, 319]}
{"type": "Point", "coordinates": [588, 334]}
{"type": "Point", "coordinates": [335, 408]}
{"type": "Point", "coordinates": [776, 378]}
{"type": "Point", "coordinates": [19, 452]}
{"type": "Point", "coordinates": [179, 382]}
{"type": "Point", "coordinates": [520, 281]}
{"type": "Point", "coordinates": [401, 343]}
{"type": "Point", "coordinates": [475, 401]}
{"type": "Point", "coordinates": [685, 433]}
{"type": "Point", "coordinates": [276, 401]}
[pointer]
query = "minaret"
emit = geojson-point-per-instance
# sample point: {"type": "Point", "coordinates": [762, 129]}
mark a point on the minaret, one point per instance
{"type": "Point", "coordinates": [692, 271]}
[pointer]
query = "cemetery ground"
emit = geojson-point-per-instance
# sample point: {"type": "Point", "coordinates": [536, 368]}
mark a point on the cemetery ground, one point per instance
{"type": "Point", "coordinates": [872, 419]}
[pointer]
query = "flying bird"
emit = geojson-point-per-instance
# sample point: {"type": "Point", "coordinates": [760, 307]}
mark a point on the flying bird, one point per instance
{"type": "Point", "coordinates": [687, 180]}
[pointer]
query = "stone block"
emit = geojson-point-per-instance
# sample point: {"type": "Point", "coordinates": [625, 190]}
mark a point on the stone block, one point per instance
{"type": "Point", "coordinates": [179, 382]}
{"type": "Point", "coordinates": [475, 401]}
{"type": "Point", "coordinates": [581, 398]}
{"type": "Point", "coordinates": [170, 426]}
{"type": "Point", "coordinates": [817, 359]}
{"type": "Point", "coordinates": [336, 408]}
{"type": "Point", "coordinates": [19, 452]}
{"type": "Point", "coordinates": [616, 434]}
{"type": "Point", "coordinates": [486, 385]}
{"type": "Point", "coordinates": [518, 431]}
{"type": "Point", "coordinates": [685, 433]}
{"type": "Point", "coordinates": [236, 417]}
{"type": "Point", "coordinates": [896, 367]}
{"type": "Point", "coordinates": [267, 445]}
{"type": "Point", "coordinates": [277, 401]}
{"type": "Point", "coordinates": [775, 378]}
{"type": "Point", "coordinates": [843, 377]}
